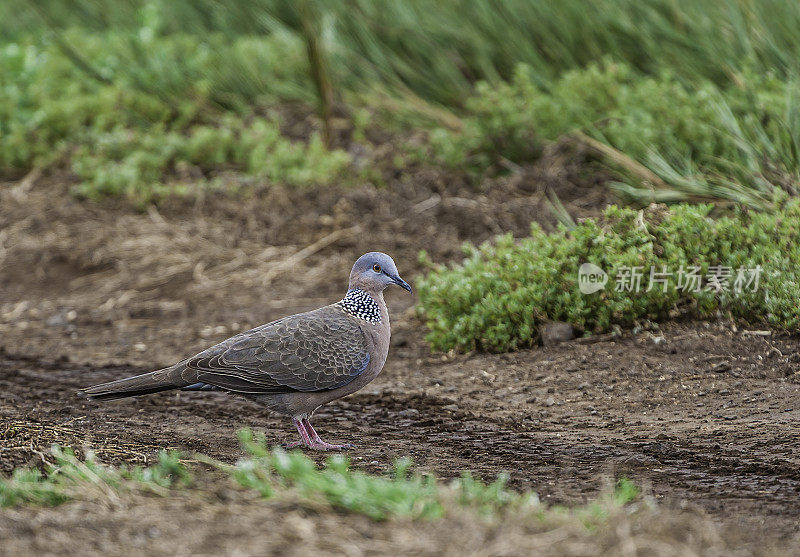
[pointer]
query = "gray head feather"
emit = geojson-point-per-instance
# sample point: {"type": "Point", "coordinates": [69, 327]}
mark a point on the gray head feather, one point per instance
{"type": "Point", "coordinates": [374, 271]}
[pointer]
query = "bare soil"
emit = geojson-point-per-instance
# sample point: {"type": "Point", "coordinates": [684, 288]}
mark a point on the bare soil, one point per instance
{"type": "Point", "coordinates": [705, 416]}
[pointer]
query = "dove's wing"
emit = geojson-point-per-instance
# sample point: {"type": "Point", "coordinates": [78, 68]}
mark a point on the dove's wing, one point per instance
{"type": "Point", "coordinates": [315, 351]}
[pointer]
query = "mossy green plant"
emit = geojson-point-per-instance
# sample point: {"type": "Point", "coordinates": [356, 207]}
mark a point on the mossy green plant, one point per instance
{"type": "Point", "coordinates": [498, 298]}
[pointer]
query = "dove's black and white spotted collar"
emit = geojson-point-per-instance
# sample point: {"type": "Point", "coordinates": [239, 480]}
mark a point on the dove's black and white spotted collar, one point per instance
{"type": "Point", "coordinates": [361, 305]}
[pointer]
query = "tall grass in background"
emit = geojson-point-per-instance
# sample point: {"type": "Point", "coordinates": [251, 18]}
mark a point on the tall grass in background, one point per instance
{"type": "Point", "coordinates": [721, 76]}
{"type": "Point", "coordinates": [439, 50]}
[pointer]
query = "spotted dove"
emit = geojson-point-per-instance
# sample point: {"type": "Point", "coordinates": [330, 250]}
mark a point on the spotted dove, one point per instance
{"type": "Point", "coordinates": [293, 365]}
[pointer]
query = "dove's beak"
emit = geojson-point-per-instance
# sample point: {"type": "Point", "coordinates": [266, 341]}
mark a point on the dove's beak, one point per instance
{"type": "Point", "coordinates": [401, 283]}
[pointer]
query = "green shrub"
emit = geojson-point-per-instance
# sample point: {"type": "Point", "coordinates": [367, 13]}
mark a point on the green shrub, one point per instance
{"type": "Point", "coordinates": [499, 297]}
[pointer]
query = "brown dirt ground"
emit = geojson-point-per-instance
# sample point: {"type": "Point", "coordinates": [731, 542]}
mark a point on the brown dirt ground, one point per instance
{"type": "Point", "coordinates": [705, 416]}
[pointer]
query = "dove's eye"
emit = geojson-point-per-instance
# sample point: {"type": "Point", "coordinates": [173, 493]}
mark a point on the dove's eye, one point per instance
{"type": "Point", "coordinates": [376, 268]}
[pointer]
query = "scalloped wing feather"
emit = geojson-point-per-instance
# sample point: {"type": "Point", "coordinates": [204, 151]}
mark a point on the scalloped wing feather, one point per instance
{"type": "Point", "coordinates": [315, 351]}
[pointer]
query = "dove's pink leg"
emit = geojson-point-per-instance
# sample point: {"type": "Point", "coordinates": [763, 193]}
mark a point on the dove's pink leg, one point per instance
{"type": "Point", "coordinates": [310, 438]}
{"type": "Point", "coordinates": [304, 436]}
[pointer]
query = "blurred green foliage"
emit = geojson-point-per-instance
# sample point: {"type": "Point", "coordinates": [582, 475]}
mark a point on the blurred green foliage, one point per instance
{"type": "Point", "coordinates": [125, 139]}
{"type": "Point", "coordinates": [68, 477]}
{"type": "Point", "coordinates": [140, 163]}
{"type": "Point", "coordinates": [380, 497]}
{"type": "Point", "coordinates": [736, 144]}
{"type": "Point", "coordinates": [438, 50]}
{"type": "Point", "coordinates": [499, 297]}
{"type": "Point", "coordinates": [273, 472]}
{"type": "Point", "coordinates": [701, 93]}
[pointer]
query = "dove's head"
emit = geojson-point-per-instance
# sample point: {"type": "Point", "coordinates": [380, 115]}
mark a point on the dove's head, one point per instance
{"type": "Point", "coordinates": [374, 271]}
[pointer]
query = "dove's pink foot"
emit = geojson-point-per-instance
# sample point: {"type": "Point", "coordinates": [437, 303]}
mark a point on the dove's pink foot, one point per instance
{"type": "Point", "coordinates": [311, 439]}
{"type": "Point", "coordinates": [319, 444]}
{"type": "Point", "coordinates": [293, 445]}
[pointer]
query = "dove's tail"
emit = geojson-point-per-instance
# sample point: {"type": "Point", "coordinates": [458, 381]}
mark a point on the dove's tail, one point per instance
{"type": "Point", "coordinates": [145, 384]}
